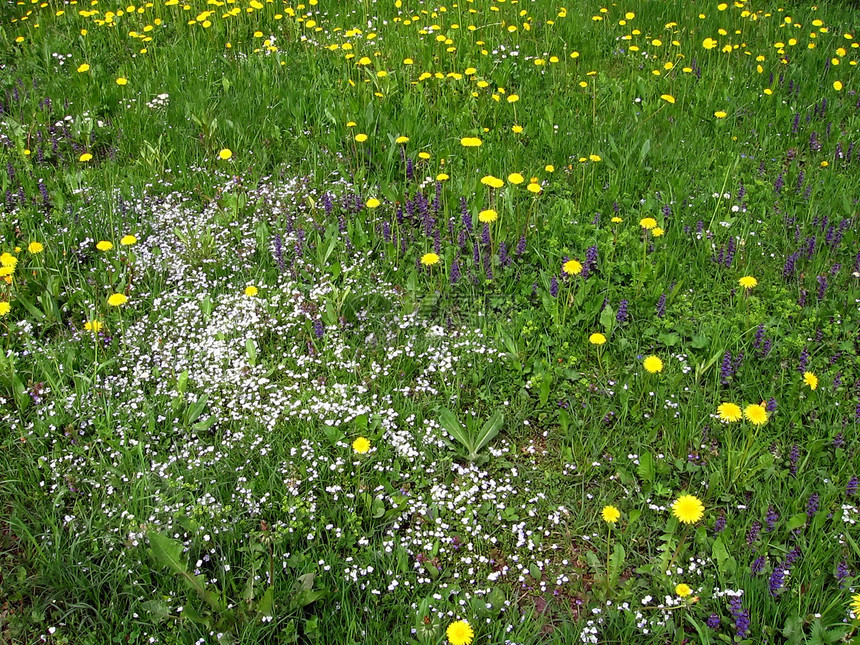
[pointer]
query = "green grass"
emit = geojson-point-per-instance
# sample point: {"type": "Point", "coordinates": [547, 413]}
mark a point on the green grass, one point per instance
{"type": "Point", "coordinates": [180, 469]}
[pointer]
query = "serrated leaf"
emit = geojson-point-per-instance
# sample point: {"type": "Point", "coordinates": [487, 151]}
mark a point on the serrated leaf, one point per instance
{"type": "Point", "coordinates": [267, 602]}
{"type": "Point", "coordinates": [167, 552]}
{"type": "Point", "coordinates": [157, 610]}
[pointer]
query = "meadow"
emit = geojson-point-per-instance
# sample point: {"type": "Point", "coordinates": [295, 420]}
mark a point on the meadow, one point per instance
{"type": "Point", "coordinates": [491, 321]}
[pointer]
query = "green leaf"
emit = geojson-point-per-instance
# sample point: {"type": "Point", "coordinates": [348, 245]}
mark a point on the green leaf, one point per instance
{"type": "Point", "coordinates": [534, 571]}
{"type": "Point", "coordinates": [251, 348]}
{"type": "Point", "coordinates": [452, 426]}
{"type": "Point", "coordinates": [488, 431]}
{"type": "Point", "coordinates": [203, 426]}
{"type": "Point", "coordinates": [721, 555]}
{"type": "Point", "coordinates": [607, 319]}
{"type": "Point", "coordinates": [796, 521]}
{"type": "Point", "coordinates": [545, 386]}
{"type": "Point", "coordinates": [266, 604]}
{"type": "Point", "coordinates": [644, 151]}
{"type": "Point", "coordinates": [646, 467]}
{"type": "Point", "coordinates": [167, 552]}
{"type": "Point", "coordinates": [196, 409]}
{"type": "Point", "coordinates": [616, 563]}
{"type": "Point", "coordinates": [157, 610]}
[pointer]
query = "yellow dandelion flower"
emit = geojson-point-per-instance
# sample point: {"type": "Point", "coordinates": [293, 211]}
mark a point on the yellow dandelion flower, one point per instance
{"type": "Point", "coordinates": [572, 267]}
{"type": "Point", "coordinates": [361, 445]}
{"type": "Point", "coordinates": [668, 98]}
{"type": "Point", "coordinates": [401, 139]}
{"type": "Point", "coordinates": [597, 339]}
{"type": "Point", "coordinates": [117, 300]}
{"type": "Point", "coordinates": [755, 414]}
{"type": "Point", "coordinates": [429, 259]}
{"type": "Point", "coordinates": [128, 240]}
{"type": "Point", "coordinates": [251, 291]}
{"type": "Point", "coordinates": [104, 245]}
{"type": "Point", "coordinates": [534, 188]}
{"type": "Point", "coordinates": [648, 223]}
{"type": "Point", "coordinates": [683, 590]}
{"type": "Point", "coordinates": [372, 202]}
{"type": "Point", "coordinates": [610, 514]}
{"type": "Point", "coordinates": [748, 282]}
{"type": "Point", "coordinates": [516, 178]}
{"type": "Point", "coordinates": [810, 379]}
{"type": "Point", "coordinates": [225, 153]}
{"type": "Point", "coordinates": [122, 81]}
{"type": "Point", "coordinates": [653, 364]}
{"type": "Point", "coordinates": [85, 157]}
{"type": "Point", "coordinates": [492, 182]}
{"type": "Point", "coordinates": [837, 85]}
{"type": "Point", "coordinates": [83, 67]}
{"type": "Point", "coordinates": [361, 137]}
{"type": "Point", "coordinates": [35, 247]}
{"type": "Point", "coordinates": [470, 142]}
{"type": "Point", "coordinates": [94, 326]}
{"type": "Point", "coordinates": [5, 308]}
{"type": "Point", "coordinates": [720, 114]}
{"type": "Point", "coordinates": [730, 412]}
{"type": "Point", "coordinates": [488, 216]}
{"type": "Point", "coordinates": [460, 633]}
{"type": "Point", "coordinates": [688, 509]}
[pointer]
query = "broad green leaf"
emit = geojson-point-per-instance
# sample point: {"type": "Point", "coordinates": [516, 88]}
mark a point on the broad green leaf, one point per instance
{"type": "Point", "coordinates": [616, 563]}
{"type": "Point", "coordinates": [489, 431]}
{"type": "Point", "coordinates": [796, 521]}
{"type": "Point", "coordinates": [646, 467]}
{"type": "Point", "coordinates": [452, 426]}
{"type": "Point", "coordinates": [167, 552]}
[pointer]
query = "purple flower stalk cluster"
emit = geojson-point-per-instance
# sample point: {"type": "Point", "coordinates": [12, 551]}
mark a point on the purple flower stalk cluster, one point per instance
{"type": "Point", "coordinates": [741, 616]}
{"type": "Point", "coordinates": [789, 269]}
{"type": "Point", "coordinates": [661, 305]}
{"type": "Point", "coordinates": [822, 287]}
{"type": "Point", "coordinates": [726, 371]}
{"type": "Point", "coordinates": [720, 524]}
{"type": "Point", "coordinates": [753, 533]}
{"type": "Point", "coordinates": [757, 566]}
{"type": "Point", "coordinates": [621, 314]}
{"type": "Point", "coordinates": [793, 457]}
{"type": "Point", "coordinates": [812, 505]}
{"type": "Point", "coordinates": [803, 361]}
{"type": "Point", "coordinates": [771, 518]}
{"type": "Point", "coordinates": [725, 255]}
{"type": "Point", "coordinates": [842, 572]}
{"type": "Point", "coordinates": [590, 264]}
